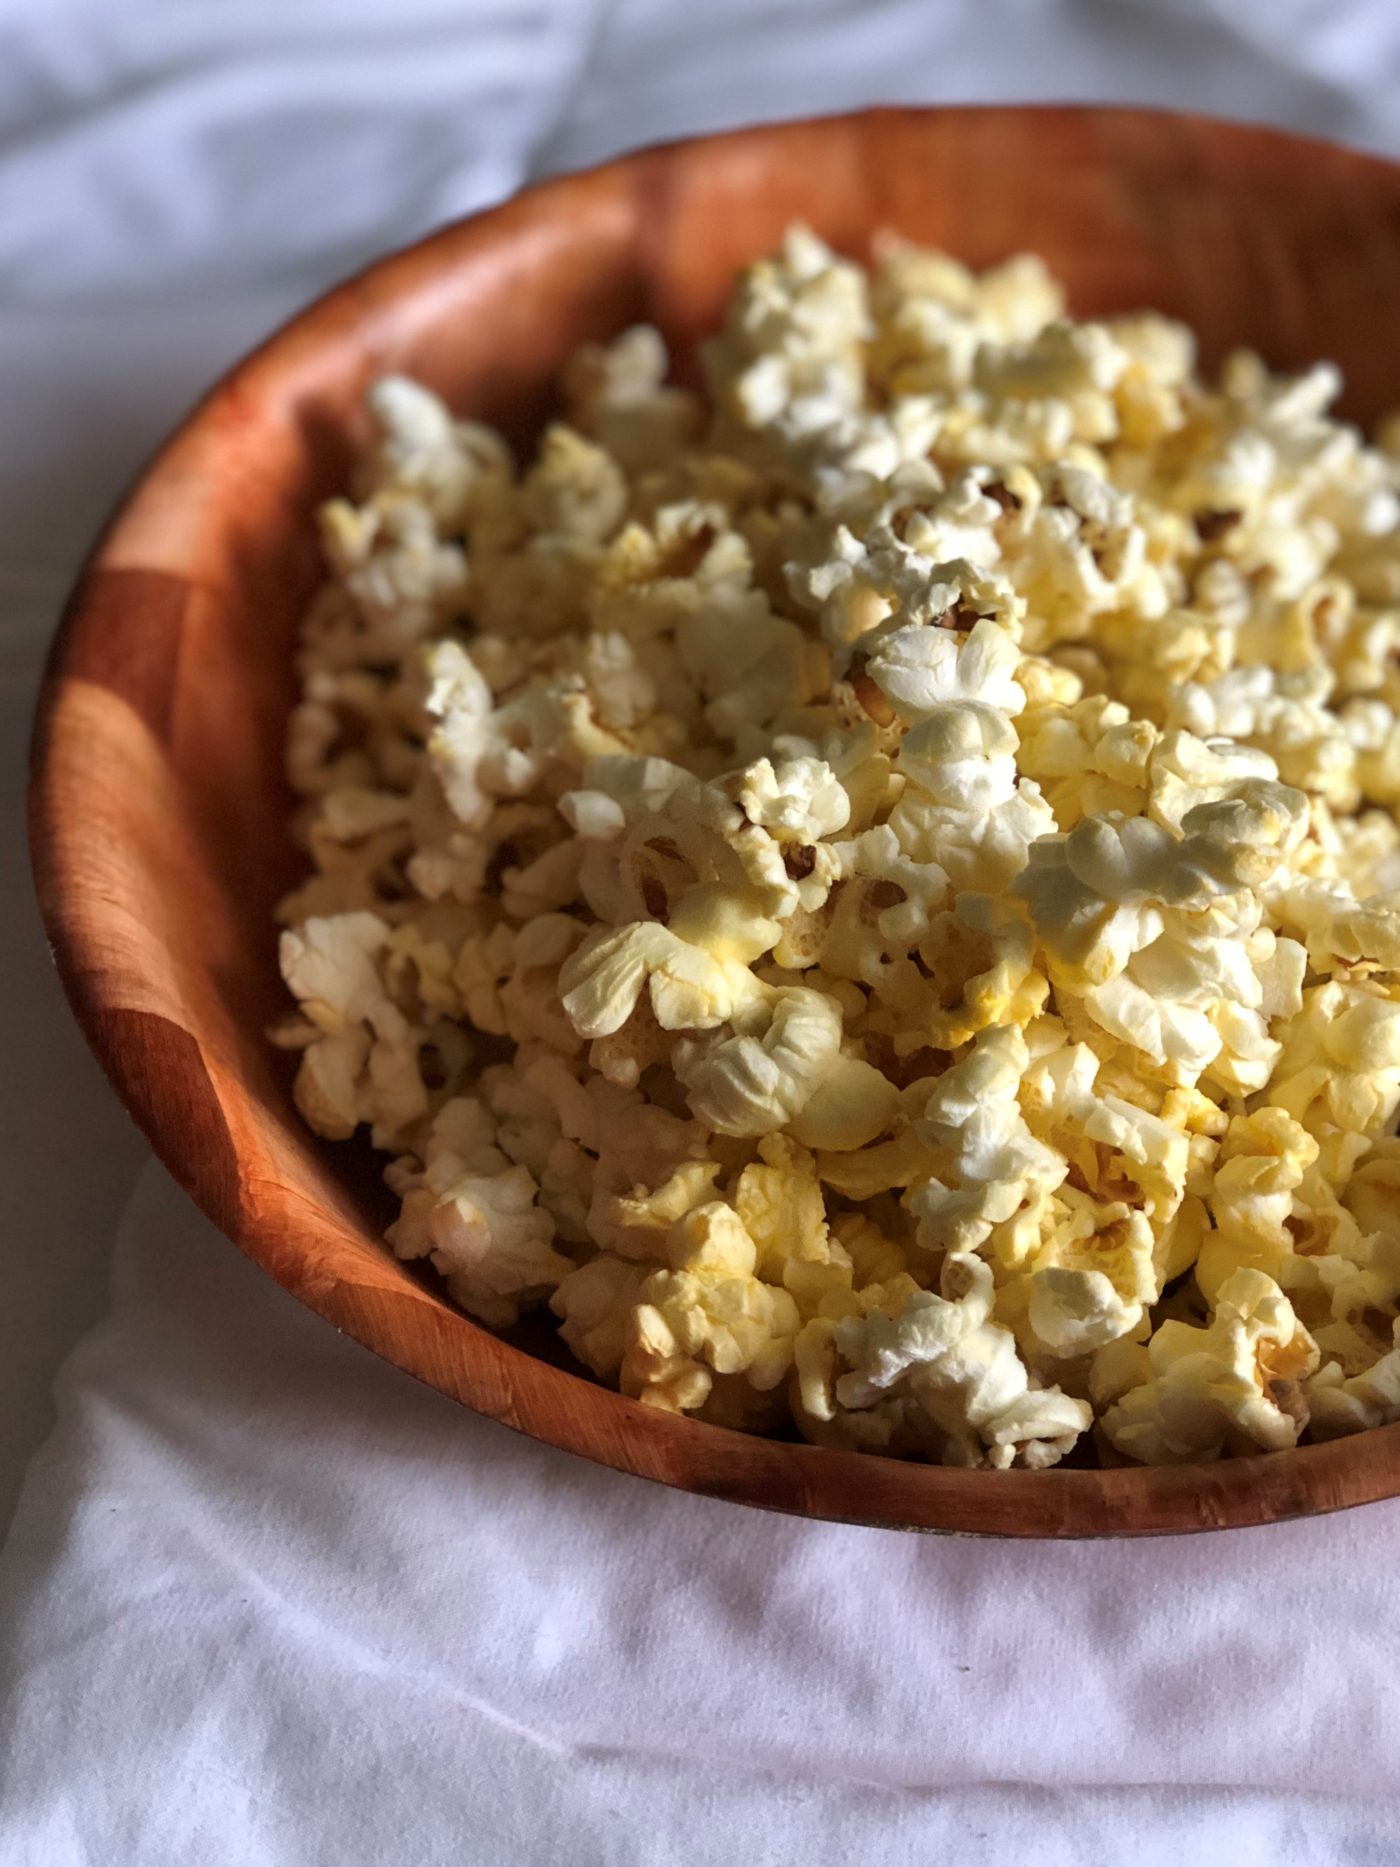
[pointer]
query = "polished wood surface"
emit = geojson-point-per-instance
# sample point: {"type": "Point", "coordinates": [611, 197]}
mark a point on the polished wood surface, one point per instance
{"type": "Point", "coordinates": [157, 802]}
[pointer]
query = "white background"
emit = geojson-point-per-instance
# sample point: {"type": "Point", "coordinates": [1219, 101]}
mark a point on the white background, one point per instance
{"type": "Point", "coordinates": [229, 1483]}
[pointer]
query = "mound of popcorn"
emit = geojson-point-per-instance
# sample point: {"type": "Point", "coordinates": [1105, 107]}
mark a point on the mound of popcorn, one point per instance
{"type": "Point", "coordinates": [873, 891]}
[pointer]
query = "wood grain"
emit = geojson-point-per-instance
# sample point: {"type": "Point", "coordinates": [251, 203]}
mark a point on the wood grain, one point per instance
{"type": "Point", "coordinates": [157, 805]}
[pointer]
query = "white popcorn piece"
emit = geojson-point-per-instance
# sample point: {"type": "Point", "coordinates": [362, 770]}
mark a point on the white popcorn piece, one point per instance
{"type": "Point", "coordinates": [489, 1239]}
{"type": "Point", "coordinates": [1340, 1403]}
{"type": "Point", "coordinates": [959, 1372]}
{"type": "Point", "coordinates": [1238, 1382]}
{"type": "Point", "coordinates": [329, 966]}
{"type": "Point", "coordinates": [398, 580]}
{"type": "Point", "coordinates": [690, 1325]}
{"type": "Point", "coordinates": [620, 397]}
{"type": "Point", "coordinates": [689, 987]}
{"type": "Point", "coordinates": [422, 450]}
{"type": "Point", "coordinates": [767, 1070]}
{"type": "Point", "coordinates": [593, 1304]}
{"type": "Point", "coordinates": [476, 1217]}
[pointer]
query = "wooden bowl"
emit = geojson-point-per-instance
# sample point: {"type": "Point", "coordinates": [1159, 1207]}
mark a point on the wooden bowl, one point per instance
{"type": "Point", "coordinates": [158, 806]}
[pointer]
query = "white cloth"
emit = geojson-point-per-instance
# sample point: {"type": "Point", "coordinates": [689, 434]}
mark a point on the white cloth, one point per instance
{"type": "Point", "coordinates": [266, 1603]}
{"type": "Point", "coordinates": [283, 1606]}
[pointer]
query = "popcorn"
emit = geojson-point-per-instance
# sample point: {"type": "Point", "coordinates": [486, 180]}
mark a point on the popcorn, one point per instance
{"type": "Point", "coordinates": [852, 1104]}
{"type": "Point", "coordinates": [328, 965]}
{"type": "Point", "coordinates": [421, 449]}
{"type": "Point", "coordinates": [779, 1199]}
{"type": "Point", "coordinates": [688, 1325]}
{"type": "Point", "coordinates": [873, 892]}
{"type": "Point", "coordinates": [789, 361]}
{"type": "Point", "coordinates": [361, 1056]}
{"type": "Point", "coordinates": [1096, 1289]}
{"type": "Point", "coordinates": [967, 1392]}
{"type": "Point", "coordinates": [920, 668]}
{"type": "Point", "coordinates": [593, 1304]}
{"type": "Point", "coordinates": [1076, 365]}
{"type": "Point", "coordinates": [477, 1218]}
{"type": "Point", "coordinates": [620, 397]}
{"type": "Point", "coordinates": [399, 579]}
{"type": "Point", "coordinates": [1264, 1159]}
{"type": "Point", "coordinates": [1079, 553]}
{"type": "Point", "coordinates": [1238, 1383]}
{"type": "Point", "coordinates": [1339, 1403]}
{"type": "Point", "coordinates": [981, 957]}
{"type": "Point", "coordinates": [799, 801]}
{"type": "Point", "coordinates": [1284, 715]}
{"type": "Point", "coordinates": [765, 1073]}
{"type": "Point", "coordinates": [1089, 757]}
{"type": "Point", "coordinates": [1340, 1066]}
{"type": "Point", "coordinates": [932, 314]}
{"type": "Point", "coordinates": [689, 989]}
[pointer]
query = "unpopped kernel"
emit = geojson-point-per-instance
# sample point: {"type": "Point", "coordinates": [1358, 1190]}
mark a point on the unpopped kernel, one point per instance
{"type": "Point", "coordinates": [872, 891]}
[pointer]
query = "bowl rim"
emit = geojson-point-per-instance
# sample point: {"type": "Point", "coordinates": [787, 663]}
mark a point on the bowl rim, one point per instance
{"type": "Point", "coordinates": [553, 1404]}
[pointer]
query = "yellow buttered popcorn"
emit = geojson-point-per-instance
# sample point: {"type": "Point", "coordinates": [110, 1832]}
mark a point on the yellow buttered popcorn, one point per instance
{"type": "Point", "coordinates": [872, 889]}
{"type": "Point", "coordinates": [1239, 1384]}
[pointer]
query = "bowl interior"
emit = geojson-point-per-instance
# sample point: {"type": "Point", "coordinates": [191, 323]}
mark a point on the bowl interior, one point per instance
{"type": "Point", "coordinates": [159, 807]}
